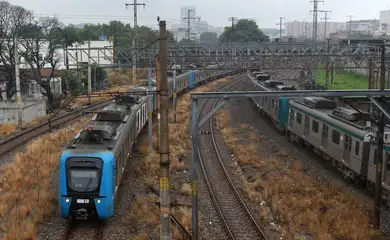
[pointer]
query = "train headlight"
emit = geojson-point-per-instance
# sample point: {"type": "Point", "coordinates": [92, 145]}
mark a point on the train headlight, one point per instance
{"type": "Point", "coordinates": [98, 201]}
{"type": "Point", "coordinates": [67, 200]}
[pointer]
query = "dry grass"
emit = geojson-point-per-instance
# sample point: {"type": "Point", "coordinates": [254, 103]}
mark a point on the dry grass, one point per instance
{"type": "Point", "coordinates": [26, 197]}
{"type": "Point", "coordinates": [7, 129]}
{"type": "Point", "coordinates": [186, 189]}
{"type": "Point", "coordinates": [179, 149]}
{"type": "Point", "coordinates": [119, 81]}
{"type": "Point", "coordinates": [124, 77]}
{"type": "Point", "coordinates": [145, 211]}
{"type": "Point", "coordinates": [244, 126]}
{"type": "Point", "coordinates": [296, 201]}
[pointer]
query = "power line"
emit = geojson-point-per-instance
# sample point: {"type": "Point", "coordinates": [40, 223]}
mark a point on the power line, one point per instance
{"type": "Point", "coordinates": [326, 21]}
{"type": "Point", "coordinates": [281, 26]}
{"type": "Point", "coordinates": [315, 17]}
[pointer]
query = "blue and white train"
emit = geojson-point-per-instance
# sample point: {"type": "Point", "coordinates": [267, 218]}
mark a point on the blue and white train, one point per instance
{"type": "Point", "coordinates": [91, 167]}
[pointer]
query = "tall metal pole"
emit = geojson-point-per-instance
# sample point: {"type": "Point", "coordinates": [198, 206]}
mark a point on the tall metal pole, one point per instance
{"type": "Point", "coordinates": [158, 81]}
{"type": "Point", "coordinates": [326, 18]}
{"type": "Point", "coordinates": [194, 164]}
{"type": "Point", "coordinates": [89, 72]}
{"type": "Point", "coordinates": [350, 23]}
{"type": "Point", "coordinates": [280, 27]}
{"type": "Point", "coordinates": [174, 96]}
{"type": "Point", "coordinates": [135, 38]}
{"type": "Point", "coordinates": [17, 80]}
{"type": "Point", "coordinates": [189, 23]}
{"type": "Point", "coordinates": [150, 108]}
{"type": "Point", "coordinates": [379, 157]}
{"type": "Point", "coordinates": [315, 18]}
{"type": "Point", "coordinates": [165, 220]}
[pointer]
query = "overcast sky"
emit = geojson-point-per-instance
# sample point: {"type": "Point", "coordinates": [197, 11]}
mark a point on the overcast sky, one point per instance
{"type": "Point", "coordinates": [216, 12]}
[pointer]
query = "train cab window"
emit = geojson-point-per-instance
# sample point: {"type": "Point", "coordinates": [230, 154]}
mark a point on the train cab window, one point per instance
{"type": "Point", "coordinates": [315, 126]}
{"type": "Point", "coordinates": [83, 180]}
{"type": "Point", "coordinates": [357, 148]}
{"type": "Point", "coordinates": [299, 118]}
{"type": "Point", "coordinates": [335, 137]}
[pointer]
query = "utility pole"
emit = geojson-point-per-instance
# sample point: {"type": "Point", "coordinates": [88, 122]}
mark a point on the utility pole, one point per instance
{"type": "Point", "coordinates": [233, 19]}
{"type": "Point", "coordinates": [280, 27]}
{"type": "Point", "coordinates": [135, 38]}
{"type": "Point", "coordinates": [189, 23]}
{"type": "Point", "coordinates": [380, 136]}
{"type": "Point", "coordinates": [17, 80]}
{"type": "Point", "coordinates": [350, 23]}
{"type": "Point", "coordinates": [150, 107]}
{"type": "Point", "coordinates": [315, 18]}
{"type": "Point", "coordinates": [89, 72]}
{"type": "Point", "coordinates": [165, 220]}
{"type": "Point", "coordinates": [326, 18]}
{"type": "Point", "coordinates": [305, 29]}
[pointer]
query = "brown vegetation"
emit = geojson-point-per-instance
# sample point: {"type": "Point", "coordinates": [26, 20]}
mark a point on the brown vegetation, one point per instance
{"type": "Point", "coordinates": [179, 149]}
{"type": "Point", "coordinates": [288, 197]}
{"type": "Point", "coordinates": [25, 197]}
{"type": "Point", "coordinates": [7, 129]}
{"type": "Point", "coordinates": [124, 77]}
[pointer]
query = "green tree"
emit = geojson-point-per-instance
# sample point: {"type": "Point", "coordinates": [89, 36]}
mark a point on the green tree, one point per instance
{"type": "Point", "coordinates": [208, 37]}
{"type": "Point", "coordinates": [73, 82]}
{"type": "Point", "coordinates": [244, 31]}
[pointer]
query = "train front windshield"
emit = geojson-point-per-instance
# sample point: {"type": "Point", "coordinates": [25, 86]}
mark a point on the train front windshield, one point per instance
{"type": "Point", "coordinates": [84, 180]}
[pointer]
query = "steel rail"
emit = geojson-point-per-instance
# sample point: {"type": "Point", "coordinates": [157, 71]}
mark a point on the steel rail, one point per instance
{"type": "Point", "coordinates": [14, 141]}
{"type": "Point", "coordinates": [227, 176]}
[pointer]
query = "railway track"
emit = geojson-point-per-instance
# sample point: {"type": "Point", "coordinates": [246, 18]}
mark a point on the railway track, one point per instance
{"type": "Point", "coordinates": [74, 231]}
{"type": "Point", "coordinates": [235, 216]}
{"type": "Point", "coordinates": [14, 141]}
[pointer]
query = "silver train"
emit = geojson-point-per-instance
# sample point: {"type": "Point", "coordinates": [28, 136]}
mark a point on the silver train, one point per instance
{"type": "Point", "coordinates": [340, 135]}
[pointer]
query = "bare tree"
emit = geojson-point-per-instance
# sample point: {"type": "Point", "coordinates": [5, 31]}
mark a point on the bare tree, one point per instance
{"type": "Point", "coordinates": [40, 38]}
{"type": "Point", "coordinates": [12, 19]}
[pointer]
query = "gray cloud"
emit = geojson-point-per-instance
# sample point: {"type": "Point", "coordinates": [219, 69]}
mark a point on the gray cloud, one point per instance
{"type": "Point", "coordinates": [216, 12]}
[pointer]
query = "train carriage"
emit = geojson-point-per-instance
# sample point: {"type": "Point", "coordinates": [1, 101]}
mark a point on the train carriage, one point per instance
{"type": "Point", "coordinates": [338, 134]}
{"type": "Point", "coordinates": [91, 167]}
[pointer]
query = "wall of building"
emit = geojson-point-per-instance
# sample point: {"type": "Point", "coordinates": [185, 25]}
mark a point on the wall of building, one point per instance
{"type": "Point", "coordinates": [384, 18]}
{"type": "Point", "coordinates": [30, 111]}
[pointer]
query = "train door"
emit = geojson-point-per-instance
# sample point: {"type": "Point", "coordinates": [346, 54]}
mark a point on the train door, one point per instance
{"type": "Point", "coordinates": [307, 126]}
{"type": "Point", "coordinates": [292, 117]}
{"type": "Point", "coordinates": [324, 139]}
{"type": "Point", "coordinates": [347, 147]}
{"type": "Point", "coordinates": [387, 169]}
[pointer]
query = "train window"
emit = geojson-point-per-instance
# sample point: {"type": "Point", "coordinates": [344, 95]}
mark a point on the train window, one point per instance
{"type": "Point", "coordinates": [315, 126]}
{"type": "Point", "coordinates": [357, 148]}
{"type": "Point", "coordinates": [335, 137]}
{"type": "Point", "coordinates": [388, 161]}
{"type": "Point", "coordinates": [299, 118]}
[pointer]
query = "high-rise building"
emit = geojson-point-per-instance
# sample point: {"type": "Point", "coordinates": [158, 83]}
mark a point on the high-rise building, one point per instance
{"type": "Point", "coordinates": [384, 20]}
{"type": "Point", "coordinates": [305, 30]}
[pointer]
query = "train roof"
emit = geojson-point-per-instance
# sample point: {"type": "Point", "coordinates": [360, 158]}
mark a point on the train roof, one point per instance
{"type": "Point", "coordinates": [349, 120]}
{"type": "Point", "coordinates": [107, 125]}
